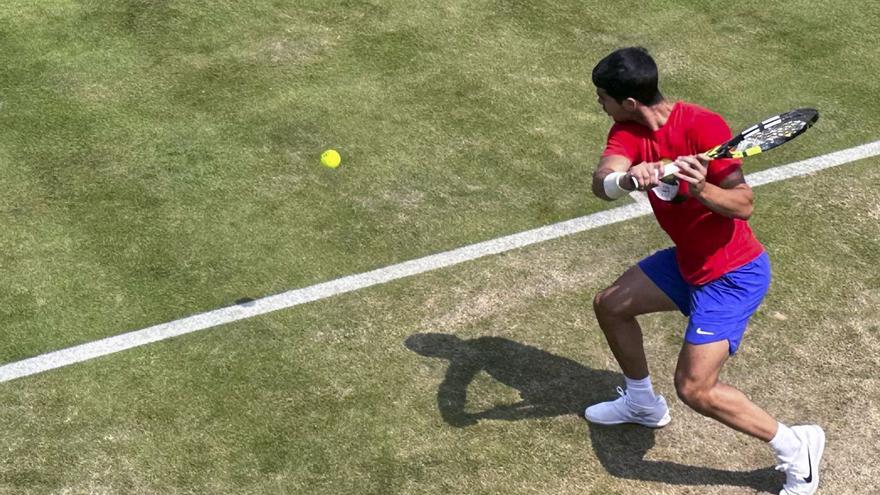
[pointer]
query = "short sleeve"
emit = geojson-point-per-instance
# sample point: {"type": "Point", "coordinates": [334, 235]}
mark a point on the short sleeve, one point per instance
{"type": "Point", "coordinates": [712, 131]}
{"type": "Point", "coordinates": [621, 141]}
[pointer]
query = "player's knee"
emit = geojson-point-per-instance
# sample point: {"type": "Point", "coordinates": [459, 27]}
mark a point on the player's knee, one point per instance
{"type": "Point", "coordinates": [598, 302]}
{"type": "Point", "coordinates": [605, 304]}
{"type": "Point", "coordinates": [695, 394]}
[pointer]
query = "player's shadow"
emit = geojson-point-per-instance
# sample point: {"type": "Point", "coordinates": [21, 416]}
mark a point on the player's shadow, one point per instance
{"type": "Point", "coordinates": [621, 449]}
{"type": "Point", "coordinates": [551, 385]}
{"type": "Point", "coordinates": [548, 385]}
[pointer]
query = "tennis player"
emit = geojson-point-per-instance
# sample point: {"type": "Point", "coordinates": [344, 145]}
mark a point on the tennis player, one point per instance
{"type": "Point", "coordinates": [716, 274]}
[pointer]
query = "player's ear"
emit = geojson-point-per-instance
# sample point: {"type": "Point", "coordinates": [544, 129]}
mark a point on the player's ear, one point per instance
{"type": "Point", "coordinates": [630, 104]}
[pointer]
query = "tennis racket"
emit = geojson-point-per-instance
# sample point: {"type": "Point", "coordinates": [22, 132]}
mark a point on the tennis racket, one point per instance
{"type": "Point", "coordinates": [763, 136]}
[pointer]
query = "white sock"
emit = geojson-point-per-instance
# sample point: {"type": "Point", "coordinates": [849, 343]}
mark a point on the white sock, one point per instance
{"type": "Point", "coordinates": [785, 444]}
{"type": "Point", "coordinates": [640, 392]}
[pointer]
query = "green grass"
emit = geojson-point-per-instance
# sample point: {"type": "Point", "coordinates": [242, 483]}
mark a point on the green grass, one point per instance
{"type": "Point", "coordinates": [160, 159]}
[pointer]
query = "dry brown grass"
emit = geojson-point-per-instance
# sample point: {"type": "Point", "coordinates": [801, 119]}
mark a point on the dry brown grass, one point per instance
{"type": "Point", "coordinates": [809, 355]}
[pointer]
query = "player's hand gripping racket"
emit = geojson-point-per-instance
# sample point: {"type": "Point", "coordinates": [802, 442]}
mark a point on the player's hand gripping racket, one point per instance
{"type": "Point", "coordinates": [764, 136]}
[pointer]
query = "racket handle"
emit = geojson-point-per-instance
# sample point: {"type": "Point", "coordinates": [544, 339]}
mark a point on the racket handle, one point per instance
{"type": "Point", "coordinates": [668, 170]}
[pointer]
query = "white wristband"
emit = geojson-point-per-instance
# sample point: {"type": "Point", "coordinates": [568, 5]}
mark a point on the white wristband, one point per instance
{"type": "Point", "coordinates": [612, 185]}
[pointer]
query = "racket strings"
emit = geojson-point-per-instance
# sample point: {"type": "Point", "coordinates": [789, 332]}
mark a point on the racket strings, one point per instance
{"type": "Point", "coordinates": [766, 138]}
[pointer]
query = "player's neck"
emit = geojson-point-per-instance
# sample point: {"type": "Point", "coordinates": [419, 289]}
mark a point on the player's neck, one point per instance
{"type": "Point", "coordinates": [654, 116]}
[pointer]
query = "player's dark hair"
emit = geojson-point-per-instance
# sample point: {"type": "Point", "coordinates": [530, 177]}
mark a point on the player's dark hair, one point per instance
{"type": "Point", "coordinates": [628, 73]}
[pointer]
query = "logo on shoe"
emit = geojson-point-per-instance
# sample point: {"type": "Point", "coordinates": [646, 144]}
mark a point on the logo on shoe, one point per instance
{"type": "Point", "coordinates": [809, 478]}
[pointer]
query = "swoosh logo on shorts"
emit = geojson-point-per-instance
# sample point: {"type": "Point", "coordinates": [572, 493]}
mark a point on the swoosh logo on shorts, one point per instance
{"type": "Point", "coordinates": [700, 331]}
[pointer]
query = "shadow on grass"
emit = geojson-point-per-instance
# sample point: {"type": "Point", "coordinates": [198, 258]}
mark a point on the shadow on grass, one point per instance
{"type": "Point", "coordinates": [551, 385]}
{"type": "Point", "coordinates": [548, 385]}
{"type": "Point", "coordinates": [621, 450]}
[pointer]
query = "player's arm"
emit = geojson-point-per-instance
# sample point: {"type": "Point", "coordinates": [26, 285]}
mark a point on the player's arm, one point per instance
{"type": "Point", "coordinates": [732, 197]}
{"type": "Point", "coordinates": [609, 179]}
{"type": "Point", "coordinates": [615, 174]}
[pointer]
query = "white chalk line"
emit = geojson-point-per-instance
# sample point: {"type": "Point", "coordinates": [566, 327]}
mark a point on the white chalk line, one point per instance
{"type": "Point", "coordinates": [164, 331]}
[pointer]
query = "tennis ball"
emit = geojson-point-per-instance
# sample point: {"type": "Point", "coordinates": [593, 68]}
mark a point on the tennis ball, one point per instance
{"type": "Point", "coordinates": [330, 159]}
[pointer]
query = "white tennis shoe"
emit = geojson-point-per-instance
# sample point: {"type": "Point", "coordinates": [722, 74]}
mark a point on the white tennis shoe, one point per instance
{"type": "Point", "coordinates": [623, 410]}
{"type": "Point", "coordinates": [802, 475]}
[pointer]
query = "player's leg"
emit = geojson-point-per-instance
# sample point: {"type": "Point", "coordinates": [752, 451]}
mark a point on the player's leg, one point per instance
{"type": "Point", "coordinates": [638, 291]}
{"type": "Point", "coordinates": [799, 449]}
{"type": "Point", "coordinates": [720, 311]}
{"type": "Point", "coordinates": [718, 320]}
{"type": "Point", "coordinates": [634, 293]}
{"type": "Point", "coordinates": [697, 385]}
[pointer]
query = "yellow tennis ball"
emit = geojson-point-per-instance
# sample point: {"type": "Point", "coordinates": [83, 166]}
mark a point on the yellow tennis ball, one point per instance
{"type": "Point", "coordinates": [330, 159]}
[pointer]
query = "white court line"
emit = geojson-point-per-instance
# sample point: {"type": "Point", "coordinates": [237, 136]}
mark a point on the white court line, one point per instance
{"type": "Point", "coordinates": [110, 345]}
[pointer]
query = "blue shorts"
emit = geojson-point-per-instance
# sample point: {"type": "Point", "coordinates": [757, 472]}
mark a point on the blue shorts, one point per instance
{"type": "Point", "coordinates": [718, 310]}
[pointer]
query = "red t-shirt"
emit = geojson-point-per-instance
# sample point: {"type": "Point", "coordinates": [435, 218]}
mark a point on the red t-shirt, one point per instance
{"type": "Point", "coordinates": [708, 245]}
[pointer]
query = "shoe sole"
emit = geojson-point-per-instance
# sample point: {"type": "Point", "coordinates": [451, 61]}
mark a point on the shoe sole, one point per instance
{"type": "Point", "coordinates": [660, 424]}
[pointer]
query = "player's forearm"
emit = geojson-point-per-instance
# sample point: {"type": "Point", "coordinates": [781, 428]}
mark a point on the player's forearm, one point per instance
{"type": "Point", "coordinates": [599, 177]}
{"type": "Point", "coordinates": [737, 202]}
{"type": "Point", "coordinates": [604, 182]}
